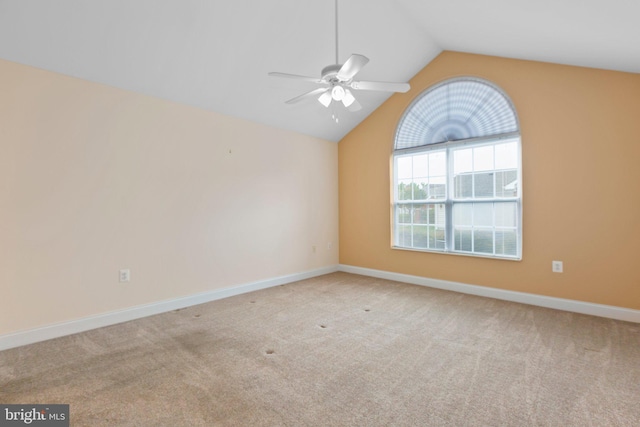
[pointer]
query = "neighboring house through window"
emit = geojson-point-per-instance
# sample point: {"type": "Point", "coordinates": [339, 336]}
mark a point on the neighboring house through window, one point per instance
{"type": "Point", "coordinates": [457, 172]}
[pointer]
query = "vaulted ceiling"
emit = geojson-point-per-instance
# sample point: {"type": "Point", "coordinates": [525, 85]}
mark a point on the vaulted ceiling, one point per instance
{"type": "Point", "coordinates": [216, 54]}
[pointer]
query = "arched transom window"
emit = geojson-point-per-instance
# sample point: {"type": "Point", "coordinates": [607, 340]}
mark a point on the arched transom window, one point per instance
{"type": "Point", "coordinates": [457, 172]}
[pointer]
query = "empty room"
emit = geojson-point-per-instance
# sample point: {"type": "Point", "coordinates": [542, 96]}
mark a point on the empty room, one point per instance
{"type": "Point", "coordinates": [319, 213]}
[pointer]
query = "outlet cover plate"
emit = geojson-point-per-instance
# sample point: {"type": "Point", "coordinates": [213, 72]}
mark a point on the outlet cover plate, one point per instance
{"type": "Point", "coordinates": [556, 266]}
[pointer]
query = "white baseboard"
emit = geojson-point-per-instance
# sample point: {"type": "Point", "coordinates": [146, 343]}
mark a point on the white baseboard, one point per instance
{"type": "Point", "coordinates": [31, 336]}
{"type": "Point", "coordinates": [608, 311]}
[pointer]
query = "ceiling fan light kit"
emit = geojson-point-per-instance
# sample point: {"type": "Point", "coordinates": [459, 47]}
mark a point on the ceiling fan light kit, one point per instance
{"type": "Point", "coordinates": [336, 81]}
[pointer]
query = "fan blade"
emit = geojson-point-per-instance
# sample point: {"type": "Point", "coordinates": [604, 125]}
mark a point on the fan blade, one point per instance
{"type": "Point", "coordinates": [381, 86]}
{"type": "Point", "coordinates": [296, 77]}
{"type": "Point", "coordinates": [351, 67]}
{"type": "Point", "coordinates": [311, 94]}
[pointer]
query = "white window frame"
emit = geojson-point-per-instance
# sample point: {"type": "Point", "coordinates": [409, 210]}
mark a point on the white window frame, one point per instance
{"type": "Point", "coordinates": [450, 200]}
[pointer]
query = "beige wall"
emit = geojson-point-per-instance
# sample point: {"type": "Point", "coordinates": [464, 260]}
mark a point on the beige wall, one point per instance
{"type": "Point", "coordinates": [581, 175]}
{"type": "Point", "coordinates": [94, 179]}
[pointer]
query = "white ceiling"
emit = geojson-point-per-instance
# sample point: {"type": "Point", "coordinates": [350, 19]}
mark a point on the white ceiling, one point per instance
{"type": "Point", "coordinates": [216, 54]}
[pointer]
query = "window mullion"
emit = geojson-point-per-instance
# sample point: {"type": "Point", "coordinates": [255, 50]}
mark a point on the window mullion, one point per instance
{"type": "Point", "coordinates": [448, 208]}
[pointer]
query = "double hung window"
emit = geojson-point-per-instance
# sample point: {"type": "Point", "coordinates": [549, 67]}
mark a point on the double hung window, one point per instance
{"type": "Point", "coordinates": [457, 176]}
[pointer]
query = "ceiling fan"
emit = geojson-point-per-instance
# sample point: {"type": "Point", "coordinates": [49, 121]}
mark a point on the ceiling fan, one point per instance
{"type": "Point", "coordinates": [336, 81]}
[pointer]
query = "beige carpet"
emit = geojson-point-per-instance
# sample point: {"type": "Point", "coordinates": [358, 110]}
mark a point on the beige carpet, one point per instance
{"type": "Point", "coordinates": [340, 350]}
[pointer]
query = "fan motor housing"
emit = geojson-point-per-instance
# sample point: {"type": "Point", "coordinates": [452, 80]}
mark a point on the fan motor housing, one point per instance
{"type": "Point", "coordinates": [330, 72]}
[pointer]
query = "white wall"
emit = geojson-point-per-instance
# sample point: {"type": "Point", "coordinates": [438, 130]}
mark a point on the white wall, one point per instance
{"type": "Point", "coordinates": [94, 179]}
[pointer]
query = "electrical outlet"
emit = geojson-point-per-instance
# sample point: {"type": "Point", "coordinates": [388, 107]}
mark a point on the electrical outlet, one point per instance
{"type": "Point", "coordinates": [329, 245]}
{"type": "Point", "coordinates": [125, 275]}
{"type": "Point", "coordinates": [556, 266]}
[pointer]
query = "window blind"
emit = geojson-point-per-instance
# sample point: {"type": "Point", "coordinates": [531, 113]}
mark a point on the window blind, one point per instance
{"type": "Point", "coordinates": [457, 109]}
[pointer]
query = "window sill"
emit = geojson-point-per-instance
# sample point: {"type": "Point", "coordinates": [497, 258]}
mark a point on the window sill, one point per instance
{"type": "Point", "coordinates": [400, 248]}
